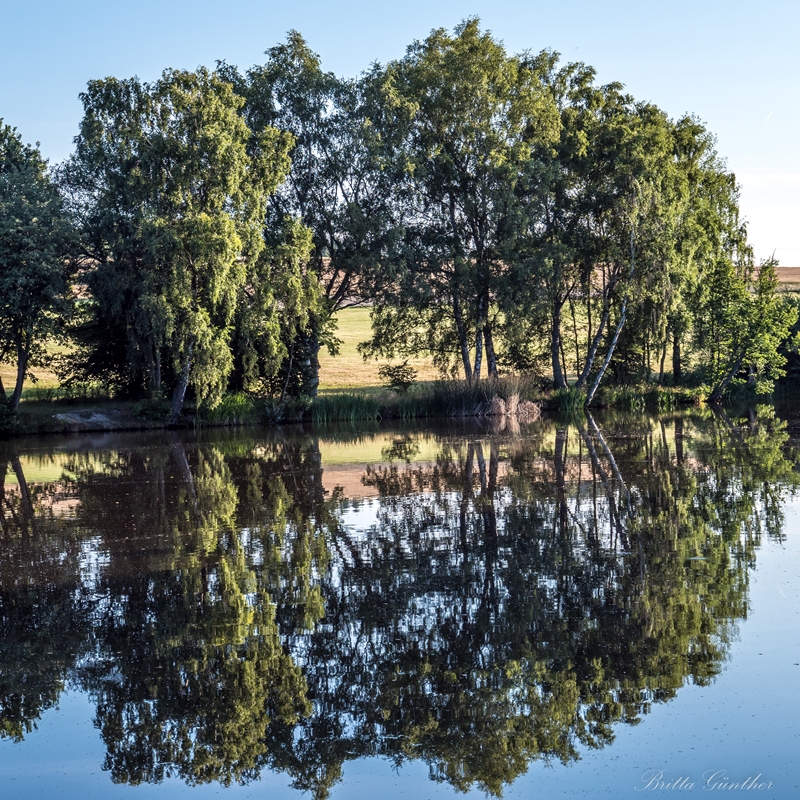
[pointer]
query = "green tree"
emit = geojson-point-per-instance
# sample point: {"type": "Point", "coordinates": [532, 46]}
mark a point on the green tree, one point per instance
{"type": "Point", "coordinates": [336, 186]}
{"type": "Point", "coordinates": [173, 188]}
{"type": "Point", "coordinates": [742, 322]}
{"type": "Point", "coordinates": [470, 116]}
{"type": "Point", "coordinates": [35, 251]}
{"type": "Point", "coordinates": [599, 213]}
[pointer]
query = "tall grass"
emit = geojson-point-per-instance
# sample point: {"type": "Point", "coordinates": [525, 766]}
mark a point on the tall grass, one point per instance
{"type": "Point", "coordinates": [641, 397]}
{"type": "Point", "coordinates": [569, 400]}
{"type": "Point", "coordinates": [344, 408]}
{"type": "Point", "coordinates": [233, 409]}
{"type": "Point", "coordinates": [462, 399]}
{"type": "Point", "coordinates": [433, 399]}
{"type": "Point", "coordinates": [72, 393]}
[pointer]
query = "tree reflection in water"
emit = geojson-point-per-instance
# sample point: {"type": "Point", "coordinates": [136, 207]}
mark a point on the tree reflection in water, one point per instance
{"type": "Point", "coordinates": [512, 599]}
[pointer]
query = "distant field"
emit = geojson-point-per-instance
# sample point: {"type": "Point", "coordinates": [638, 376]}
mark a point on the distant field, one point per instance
{"type": "Point", "coordinates": [348, 370]}
{"type": "Point", "coordinates": [788, 278]}
{"type": "Point", "coordinates": [46, 378]}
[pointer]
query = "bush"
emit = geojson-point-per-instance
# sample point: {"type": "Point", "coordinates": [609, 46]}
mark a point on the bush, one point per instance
{"type": "Point", "coordinates": [232, 409]}
{"type": "Point", "coordinates": [8, 419]}
{"type": "Point", "coordinates": [156, 410]}
{"type": "Point", "coordinates": [399, 377]}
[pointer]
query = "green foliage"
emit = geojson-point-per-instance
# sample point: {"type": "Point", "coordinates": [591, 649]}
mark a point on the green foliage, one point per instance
{"type": "Point", "coordinates": [173, 187]}
{"type": "Point", "coordinates": [569, 400]}
{"type": "Point", "coordinates": [232, 409]}
{"type": "Point", "coordinates": [463, 119]}
{"type": "Point", "coordinates": [338, 188]}
{"type": "Point", "coordinates": [8, 419]}
{"type": "Point", "coordinates": [36, 244]}
{"type": "Point", "coordinates": [399, 377]}
{"type": "Point", "coordinates": [153, 410]}
{"type": "Point", "coordinates": [742, 322]}
{"type": "Point", "coordinates": [492, 210]}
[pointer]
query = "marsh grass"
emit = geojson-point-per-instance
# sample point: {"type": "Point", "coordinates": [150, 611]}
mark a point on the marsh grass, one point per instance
{"type": "Point", "coordinates": [568, 401]}
{"type": "Point", "coordinates": [345, 407]}
{"type": "Point", "coordinates": [650, 397]}
{"type": "Point", "coordinates": [423, 400]}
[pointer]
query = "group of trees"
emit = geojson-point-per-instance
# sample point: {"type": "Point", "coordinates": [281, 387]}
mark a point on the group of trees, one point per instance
{"type": "Point", "coordinates": [497, 211]}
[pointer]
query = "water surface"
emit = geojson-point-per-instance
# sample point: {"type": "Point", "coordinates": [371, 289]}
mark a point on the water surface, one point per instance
{"type": "Point", "coordinates": [603, 607]}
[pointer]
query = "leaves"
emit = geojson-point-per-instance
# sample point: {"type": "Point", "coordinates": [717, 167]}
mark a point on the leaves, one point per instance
{"type": "Point", "coordinates": [36, 245]}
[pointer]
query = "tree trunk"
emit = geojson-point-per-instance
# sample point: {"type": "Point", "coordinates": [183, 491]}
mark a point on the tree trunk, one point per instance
{"type": "Point", "coordinates": [476, 372]}
{"type": "Point", "coordinates": [311, 382]}
{"type": "Point", "coordinates": [715, 398]}
{"type": "Point", "coordinates": [462, 339]}
{"type": "Point", "coordinates": [157, 372]}
{"type": "Point", "coordinates": [663, 363]}
{"type": "Point", "coordinates": [587, 368]}
{"type": "Point", "coordinates": [481, 322]}
{"type": "Point", "coordinates": [22, 364]}
{"type": "Point", "coordinates": [491, 356]}
{"type": "Point", "coordinates": [555, 347]}
{"type": "Point", "coordinates": [183, 383]}
{"type": "Point", "coordinates": [288, 371]}
{"type": "Point", "coordinates": [609, 354]}
{"type": "Point", "coordinates": [676, 359]}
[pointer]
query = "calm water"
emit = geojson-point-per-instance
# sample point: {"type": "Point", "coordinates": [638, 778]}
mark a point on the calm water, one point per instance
{"type": "Point", "coordinates": [606, 608]}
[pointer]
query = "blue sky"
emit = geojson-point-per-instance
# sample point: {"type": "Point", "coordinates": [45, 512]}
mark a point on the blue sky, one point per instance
{"type": "Point", "coordinates": [733, 64]}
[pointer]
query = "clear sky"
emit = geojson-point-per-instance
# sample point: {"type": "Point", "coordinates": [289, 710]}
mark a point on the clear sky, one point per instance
{"type": "Point", "coordinates": [733, 64]}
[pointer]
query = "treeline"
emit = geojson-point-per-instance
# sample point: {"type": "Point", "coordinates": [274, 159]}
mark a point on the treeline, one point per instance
{"type": "Point", "coordinates": [498, 212]}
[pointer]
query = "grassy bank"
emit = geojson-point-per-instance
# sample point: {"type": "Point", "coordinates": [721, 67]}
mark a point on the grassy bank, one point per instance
{"type": "Point", "coordinates": [429, 400]}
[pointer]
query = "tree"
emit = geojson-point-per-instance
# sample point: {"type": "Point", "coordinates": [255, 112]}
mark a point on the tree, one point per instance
{"type": "Point", "coordinates": [173, 188]}
{"type": "Point", "coordinates": [599, 213]}
{"type": "Point", "coordinates": [470, 116]}
{"type": "Point", "coordinates": [336, 185]}
{"type": "Point", "coordinates": [35, 249]}
{"type": "Point", "coordinates": [742, 321]}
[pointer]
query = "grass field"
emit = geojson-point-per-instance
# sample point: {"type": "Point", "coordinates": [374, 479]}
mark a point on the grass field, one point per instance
{"type": "Point", "coordinates": [45, 377]}
{"type": "Point", "coordinates": [348, 370]}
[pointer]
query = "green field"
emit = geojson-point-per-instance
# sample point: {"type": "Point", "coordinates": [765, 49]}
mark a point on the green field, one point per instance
{"type": "Point", "coordinates": [348, 370]}
{"type": "Point", "coordinates": [45, 377]}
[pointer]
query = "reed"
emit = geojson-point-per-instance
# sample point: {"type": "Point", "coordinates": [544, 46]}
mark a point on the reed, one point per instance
{"type": "Point", "coordinates": [344, 407]}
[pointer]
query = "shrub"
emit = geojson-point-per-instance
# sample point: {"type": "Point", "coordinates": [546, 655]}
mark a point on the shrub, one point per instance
{"type": "Point", "coordinates": [398, 377]}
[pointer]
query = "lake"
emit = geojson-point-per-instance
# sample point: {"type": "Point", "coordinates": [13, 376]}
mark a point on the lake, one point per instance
{"type": "Point", "coordinates": [603, 607]}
